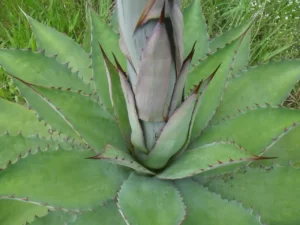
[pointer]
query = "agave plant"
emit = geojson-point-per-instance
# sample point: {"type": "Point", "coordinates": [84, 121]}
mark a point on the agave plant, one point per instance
{"type": "Point", "coordinates": [187, 135]}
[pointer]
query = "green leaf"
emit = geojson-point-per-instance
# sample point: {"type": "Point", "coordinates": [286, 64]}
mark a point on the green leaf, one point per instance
{"type": "Point", "coordinates": [206, 158]}
{"type": "Point", "coordinates": [253, 129]}
{"type": "Point", "coordinates": [106, 215]}
{"type": "Point", "coordinates": [285, 147]}
{"type": "Point", "coordinates": [68, 51]}
{"type": "Point", "coordinates": [62, 178]}
{"type": "Point", "coordinates": [137, 135]}
{"type": "Point", "coordinates": [103, 34]}
{"type": "Point", "coordinates": [15, 118]}
{"type": "Point", "coordinates": [146, 200]}
{"type": "Point", "coordinates": [212, 96]}
{"type": "Point", "coordinates": [119, 157]}
{"type": "Point", "coordinates": [55, 218]}
{"type": "Point", "coordinates": [232, 34]}
{"type": "Point", "coordinates": [14, 147]}
{"type": "Point", "coordinates": [18, 213]}
{"type": "Point", "coordinates": [44, 111]}
{"type": "Point", "coordinates": [207, 208]}
{"type": "Point", "coordinates": [117, 97]}
{"type": "Point", "coordinates": [170, 142]}
{"type": "Point", "coordinates": [274, 193]}
{"type": "Point", "coordinates": [257, 85]}
{"type": "Point", "coordinates": [36, 68]}
{"type": "Point", "coordinates": [242, 57]}
{"type": "Point", "coordinates": [76, 112]}
{"type": "Point", "coordinates": [195, 30]}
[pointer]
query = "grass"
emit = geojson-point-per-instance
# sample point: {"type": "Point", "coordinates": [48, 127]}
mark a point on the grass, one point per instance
{"type": "Point", "coordinates": [275, 34]}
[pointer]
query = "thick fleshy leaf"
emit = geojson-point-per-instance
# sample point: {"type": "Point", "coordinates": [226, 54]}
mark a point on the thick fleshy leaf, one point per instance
{"type": "Point", "coordinates": [107, 214]}
{"type": "Point", "coordinates": [137, 136]}
{"type": "Point", "coordinates": [242, 57]}
{"type": "Point", "coordinates": [170, 142]}
{"type": "Point", "coordinates": [213, 95]}
{"type": "Point", "coordinates": [253, 129]}
{"type": "Point", "coordinates": [68, 51]}
{"type": "Point", "coordinates": [44, 111]}
{"type": "Point", "coordinates": [178, 33]}
{"type": "Point", "coordinates": [55, 218]}
{"type": "Point", "coordinates": [257, 85]}
{"type": "Point", "coordinates": [180, 83]}
{"type": "Point", "coordinates": [152, 85]}
{"type": "Point", "coordinates": [207, 208]}
{"type": "Point", "coordinates": [80, 113]}
{"type": "Point", "coordinates": [14, 212]}
{"type": "Point", "coordinates": [117, 98]}
{"type": "Point", "coordinates": [103, 34]}
{"type": "Point", "coordinates": [146, 200]}
{"type": "Point", "coordinates": [232, 34]}
{"type": "Point", "coordinates": [205, 158]}
{"type": "Point", "coordinates": [15, 118]}
{"type": "Point", "coordinates": [195, 30]}
{"type": "Point", "coordinates": [36, 68]}
{"type": "Point", "coordinates": [274, 192]}
{"type": "Point", "coordinates": [285, 147]}
{"type": "Point", "coordinates": [14, 147]}
{"type": "Point", "coordinates": [119, 157]}
{"type": "Point", "coordinates": [62, 178]}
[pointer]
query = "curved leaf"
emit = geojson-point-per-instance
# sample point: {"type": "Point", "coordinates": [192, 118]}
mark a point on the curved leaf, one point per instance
{"type": "Point", "coordinates": [148, 201]}
{"type": "Point", "coordinates": [274, 193]}
{"type": "Point", "coordinates": [206, 158]}
{"type": "Point", "coordinates": [102, 33]}
{"type": "Point", "coordinates": [195, 30]}
{"type": "Point", "coordinates": [18, 213]}
{"type": "Point", "coordinates": [36, 68]}
{"type": "Point", "coordinates": [14, 147]}
{"type": "Point", "coordinates": [269, 83]}
{"type": "Point", "coordinates": [207, 208]}
{"type": "Point", "coordinates": [68, 51]}
{"type": "Point", "coordinates": [213, 95]}
{"type": "Point", "coordinates": [62, 178]}
{"type": "Point", "coordinates": [285, 147]}
{"type": "Point", "coordinates": [122, 158]}
{"type": "Point", "coordinates": [106, 215]}
{"type": "Point", "coordinates": [15, 118]}
{"type": "Point", "coordinates": [253, 129]}
{"type": "Point", "coordinates": [170, 142]}
{"type": "Point", "coordinates": [55, 218]}
{"type": "Point", "coordinates": [76, 112]}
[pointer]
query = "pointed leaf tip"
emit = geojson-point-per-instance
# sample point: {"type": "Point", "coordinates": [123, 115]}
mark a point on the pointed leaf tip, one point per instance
{"type": "Point", "coordinates": [190, 55]}
{"type": "Point", "coordinates": [162, 14]}
{"type": "Point", "coordinates": [119, 67]}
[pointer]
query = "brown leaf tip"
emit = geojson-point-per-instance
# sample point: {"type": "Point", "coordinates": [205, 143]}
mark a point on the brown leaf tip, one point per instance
{"type": "Point", "coordinates": [162, 14]}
